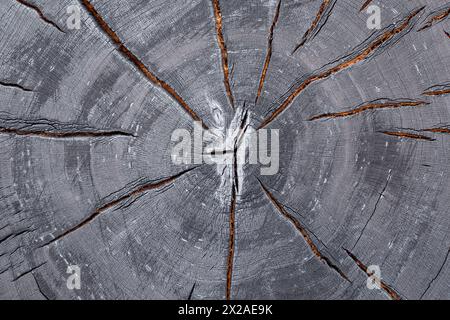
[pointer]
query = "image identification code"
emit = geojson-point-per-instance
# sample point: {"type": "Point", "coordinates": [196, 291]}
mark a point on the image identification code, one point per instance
{"type": "Point", "coordinates": [227, 309]}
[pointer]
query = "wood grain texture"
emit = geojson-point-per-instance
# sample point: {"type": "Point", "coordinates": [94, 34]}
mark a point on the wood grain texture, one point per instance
{"type": "Point", "coordinates": [87, 177]}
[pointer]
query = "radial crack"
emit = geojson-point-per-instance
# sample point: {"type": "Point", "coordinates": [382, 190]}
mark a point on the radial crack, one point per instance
{"type": "Point", "coordinates": [302, 230]}
{"type": "Point", "coordinates": [365, 5]}
{"type": "Point", "coordinates": [138, 63]}
{"type": "Point", "coordinates": [48, 128]}
{"type": "Point", "coordinates": [269, 51]}
{"type": "Point", "coordinates": [235, 169]}
{"type": "Point", "coordinates": [407, 135]}
{"type": "Point", "coordinates": [435, 17]}
{"type": "Point", "coordinates": [436, 276]}
{"type": "Point", "coordinates": [223, 50]}
{"type": "Point", "coordinates": [40, 14]}
{"type": "Point", "coordinates": [373, 105]}
{"type": "Point", "coordinates": [437, 130]}
{"type": "Point", "coordinates": [390, 292]}
{"type": "Point", "coordinates": [39, 288]}
{"type": "Point", "coordinates": [64, 135]}
{"type": "Point", "coordinates": [15, 85]}
{"type": "Point", "coordinates": [234, 192]}
{"type": "Point", "coordinates": [321, 18]}
{"type": "Point", "coordinates": [138, 191]}
{"type": "Point", "coordinates": [231, 241]}
{"type": "Point", "coordinates": [374, 209]}
{"type": "Point", "coordinates": [29, 271]}
{"type": "Point", "coordinates": [17, 234]}
{"type": "Point", "coordinates": [442, 130]}
{"type": "Point", "coordinates": [438, 90]}
{"type": "Point", "coordinates": [346, 62]}
{"type": "Point", "coordinates": [192, 291]}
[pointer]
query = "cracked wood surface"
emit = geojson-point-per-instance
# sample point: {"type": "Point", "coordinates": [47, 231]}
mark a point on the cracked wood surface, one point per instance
{"type": "Point", "coordinates": [87, 179]}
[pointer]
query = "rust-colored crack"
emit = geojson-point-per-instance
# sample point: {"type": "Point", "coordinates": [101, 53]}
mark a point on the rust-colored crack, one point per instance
{"type": "Point", "coordinates": [231, 242]}
{"type": "Point", "coordinates": [437, 130]}
{"type": "Point", "coordinates": [269, 51]}
{"type": "Point", "coordinates": [366, 53]}
{"type": "Point", "coordinates": [326, 4]}
{"type": "Point", "coordinates": [40, 14]}
{"type": "Point", "coordinates": [365, 5]}
{"type": "Point", "coordinates": [303, 232]}
{"type": "Point", "coordinates": [232, 219]}
{"type": "Point", "coordinates": [64, 134]}
{"type": "Point", "coordinates": [447, 34]}
{"type": "Point", "coordinates": [373, 105]}
{"type": "Point", "coordinates": [435, 17]}
{"type": "Point", "coordinates": [408, 135]}
{"type": "Point", "coordinates": [391, 292]}
{"type": "Point", "coordinates": [138, 63]}
{"type": "Point", "coordinates": [138, 191]}
{"type": "Point", "coordinates": [223, 50]}
{"type": "Point", "coordinates": [15, 85]}
{"type": "Point", "coordinates": [437, 90]}
{"type": "Point", "coordinates": [402, 132]}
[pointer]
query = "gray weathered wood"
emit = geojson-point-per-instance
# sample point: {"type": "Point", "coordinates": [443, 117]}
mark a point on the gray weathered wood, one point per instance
{"type": "Point", "coordinates": [86, 176]}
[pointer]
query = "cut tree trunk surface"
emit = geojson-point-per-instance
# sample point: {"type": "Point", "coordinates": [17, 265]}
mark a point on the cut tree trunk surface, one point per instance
{"type": "Point", "coordinates": [87, 115]}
